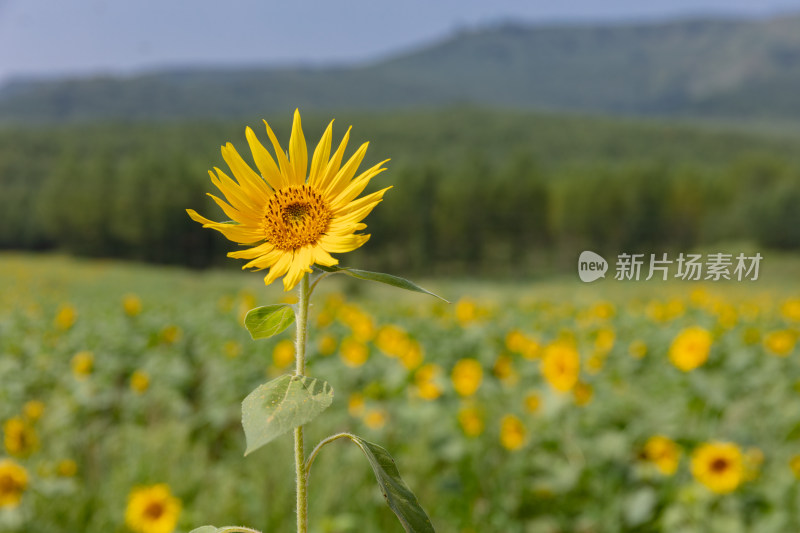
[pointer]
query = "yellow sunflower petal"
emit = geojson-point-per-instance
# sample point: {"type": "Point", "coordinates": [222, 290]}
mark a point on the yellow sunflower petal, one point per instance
{"type": "Point", "coordinates": [338, 245]}
{"type": "Point", "coordinates": [232, 191]}
{"type": "Point", "coordinates": [321, 257]}
{"type": "Point", "coordinates": [356, 205]}
{"type": "Point", "coordinates": [197, 217]}
{"type": "Point", "coordinates": [266, 165]}
{"type": "Point", "coordinates": [237, 233]}
{"type": "Point", "coordinates": [286, 168]}
{"type": "Point", "coordinates": [332, 168]}
{"type": "Point", "coordinates": [321, 155]}
{"type": "Point", "coordinates": [265, 260]}
{"type": "Point", "coordinates": [301, 263]}
{"type": "Point", "coordinates": [346, 173]}
{"type": "Point", "coordinates": [298, 151]}
{"type": "Point", "coordinates": [233, 214]}
{"type": "Point", "coordinates": [252, 253]}
{"type": "Point", "coordinates": [355, 187]}
{"type": "Point", "coordinates": [280, 268]}
{"type": "Point", "coordinates": [247, 178]}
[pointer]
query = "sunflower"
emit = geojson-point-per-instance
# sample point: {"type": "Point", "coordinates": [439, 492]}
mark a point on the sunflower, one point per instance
{"type": "Point", "coordinates": [719, 466]}
{"type": "Point", "coordinates": [690, 348]}
{"type": "Point", "coordinates": [293, 216]}
{"type": "Point", "coordinates": [467, 376]}
{"type": "Point", "coordinates": [152, 509]}
{"type": "Point", "coordinates": [13, 482]}
{"type": "Point", "coordinates": [664, 453]}
{"type": "Point", "coordinates": [561, 365]}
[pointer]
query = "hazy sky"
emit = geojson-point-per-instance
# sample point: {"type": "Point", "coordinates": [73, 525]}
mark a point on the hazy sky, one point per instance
{"type": "Point", "coordinates": [87, 36]}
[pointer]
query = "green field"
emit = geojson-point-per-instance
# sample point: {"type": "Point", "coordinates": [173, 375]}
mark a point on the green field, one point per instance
{"type": "Point", "coordinates": [515, 455]}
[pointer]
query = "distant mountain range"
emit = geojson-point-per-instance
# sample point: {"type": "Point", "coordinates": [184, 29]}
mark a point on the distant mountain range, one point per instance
{"type": "Point", "coordinates": [739, 68]}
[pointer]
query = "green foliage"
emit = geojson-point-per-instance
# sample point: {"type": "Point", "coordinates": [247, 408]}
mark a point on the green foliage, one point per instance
{"type": "Point", "coordinates": [269, 320]}
{"type": "Point", "coordinates": [399, 498]}
{"type": "Point", "coordinates": [281, 405]}
{"type": "Point", "coordinates": [380, 277]}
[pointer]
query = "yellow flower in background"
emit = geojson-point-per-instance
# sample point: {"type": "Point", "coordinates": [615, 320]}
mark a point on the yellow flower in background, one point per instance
{"type": "Point", "coordinates": [595, 363]}
{"type": "Point", "coordinates": [391, 340]}
{"type": "Point", "coordinates": [356, 404]}
{"type": "Point", "coordinates": [132, 305]}
{"type": "Point", "coordinates": [637, 349]}
{"type": "Point", "coordinates": [283, 353]}
{"type": "Point", "coordinates": [232, 349]}
{"type": "Point", "coordinates": [293, 216]}
{"type": "Point", "coordinates": [471, 421]}
{"type": "Point", "coordinates": [82, 364]}
{"type": "Point", "coordinates": [531, 350]}
{"type": "Point", "coordinates": [412, 355]}
{"type": "Point", "coordinates": [561, 365]}
{"type": "Point", "coordinates": [664, 453]}
{"type": "Point", "coordinates": [13, 483]}
{"type": "Point", "coordinates": [364, 329]}
{"type": "Point", "coordinates": [582, 393]}
{"type": "Point", "coordinates": [140, 381]}
{"type": "Point", "coordinates": [603, 310]}
{"type": "Point", "coordinates": [375, 418]}
{"type": "Point", "coordinates": [753, 458]}
{"type": "Point", "coordinates": [19, 437]}
{"type": "Point", "coordinates": [425, 378]}
{"type": "Point", "coordinates": [780, 343]}
{"type": "Point", "coordinates": [532, 402]}
{"type": "Point", "coordinates": [604, 340]}
{"type": "Point", "coordinates": [794, 465]}
{"type": "Point", "coordinates": [466, 311]}
{"type": "Point", "coordinates": [719, 466]}
{"type": "Point", "coordinates": [65, 317]}
{"type": "Point", "coordinates": [152, 509]}
{"type": "Point", "coordinates": [327, 344]}
{"type": "Point", "coordinates": [504, 370]}
{"type": "Point", "coordinates": [466, 376]}
{"type": "Point", "coordinates": [512, 433]}
{"type": "Point", "coordinates": [67, 468]}
{"type": "Point", "coordinates": [171, 334]}
{"type": "Point", "coordinates": [690, 348]}
{"type": "Point", "coordinates": [515, 341]}
{"type": "Point", "coordinates": [33, 410]}
{"type": "Point", "coordinates": [791, 309]}
{"type": "Point", "coordinates": [353, 353]}
{"type": "Point", "coordinates": [727, 316]}
{"type": "Point", "coordinates": [518, 342]}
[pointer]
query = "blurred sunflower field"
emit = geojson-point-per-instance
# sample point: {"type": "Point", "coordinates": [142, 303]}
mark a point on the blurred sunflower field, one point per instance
{"type": "Point", "coordinates": [537, 407]}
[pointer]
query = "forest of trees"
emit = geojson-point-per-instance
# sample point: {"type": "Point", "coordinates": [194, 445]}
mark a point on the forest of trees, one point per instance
{"type": "Point", "coordinates": [475, 191]}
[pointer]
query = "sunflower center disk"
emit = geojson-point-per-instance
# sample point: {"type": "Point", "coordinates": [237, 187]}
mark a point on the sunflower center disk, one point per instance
{"type": "Point", "coordinates": [719, 465]}
{"type": "Point", "coordinates": [295, 216]}
{"type": "Point", "coordinates": [7, 484]}
{"type": "Point", "coordinates": [154, 510]}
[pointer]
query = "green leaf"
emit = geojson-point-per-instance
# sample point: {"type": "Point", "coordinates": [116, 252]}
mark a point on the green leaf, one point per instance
{"type": "Point", "coordinates": [400, 499]}
{"type": "Point", "coordinates": [380, 277]}
{"type": "Point", "coordinates": [205, 529]}
{"type": "Point", "coordinates": [264, 322]}
{"type": "Point", "coordinates": [281, 405]}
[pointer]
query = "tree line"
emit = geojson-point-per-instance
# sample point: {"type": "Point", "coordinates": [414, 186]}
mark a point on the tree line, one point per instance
{"type": "Point", "coordinates": [475, 192]}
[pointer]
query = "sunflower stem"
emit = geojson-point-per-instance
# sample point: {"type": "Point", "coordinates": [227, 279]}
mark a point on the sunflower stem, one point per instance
{"type": "Point", "coordinates": [301, 319]}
